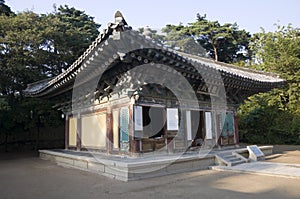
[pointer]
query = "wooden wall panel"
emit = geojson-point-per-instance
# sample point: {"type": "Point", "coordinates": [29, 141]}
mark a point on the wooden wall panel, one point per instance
{"type": "Point", "coordinates": [72, 131]}
{"type": "Point", "coordinates": [94, 131]}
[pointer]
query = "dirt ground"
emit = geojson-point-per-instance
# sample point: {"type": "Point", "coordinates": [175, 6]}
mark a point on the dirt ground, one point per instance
{"type": "Point", "coordinates": [27, 176]}
{"type": "Point", "coordinates": [285, 154]}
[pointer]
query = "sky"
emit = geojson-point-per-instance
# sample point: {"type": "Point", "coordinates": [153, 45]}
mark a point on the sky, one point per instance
{"type": "Point", "coordinates": [250, 15]}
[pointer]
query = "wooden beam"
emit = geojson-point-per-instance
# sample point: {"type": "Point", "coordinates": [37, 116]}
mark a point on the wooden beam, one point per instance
{"type": "Point", "coordinates": [78, 133]}
{"type": "Point", "coordinates": [109, 130]}
{"type": "Point", "coordinates": [67, 128]}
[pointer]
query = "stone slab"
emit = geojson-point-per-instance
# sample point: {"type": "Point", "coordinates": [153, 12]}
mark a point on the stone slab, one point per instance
{"type": "Point", "coordinates": [265, 168]}
{"type": "Point", "coordinates": [98, 168]}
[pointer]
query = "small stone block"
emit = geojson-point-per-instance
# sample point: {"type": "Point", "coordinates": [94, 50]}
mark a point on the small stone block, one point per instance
{"type": "Point", "coordinates": [81, 164]}
{"type": "Point", "coordinates": [99, 168]}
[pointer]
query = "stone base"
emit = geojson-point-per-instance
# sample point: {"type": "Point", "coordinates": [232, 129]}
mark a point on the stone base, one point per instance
{"type": "Point", "coordinates": [126, 169]}
{"type": "Point", "coordinates": [132, 168]}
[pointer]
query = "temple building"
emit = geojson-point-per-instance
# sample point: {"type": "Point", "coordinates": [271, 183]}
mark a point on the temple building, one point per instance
{"type": "Point", "coordinates": [128, 94]}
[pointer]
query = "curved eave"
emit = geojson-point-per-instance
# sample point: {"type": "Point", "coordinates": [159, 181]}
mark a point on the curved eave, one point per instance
{"type": "Point", "coordinates": [233, 76]}
{"type": "Point", "coordinates": [41, 88]}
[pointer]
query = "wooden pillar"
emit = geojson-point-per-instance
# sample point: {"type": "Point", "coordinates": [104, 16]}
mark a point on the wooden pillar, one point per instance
{"type": "Point", "coordinates": [67, 132]}
{"type": "Point", "coordinates": [134, 145]}
{"type": "Point", "coordinates": [78, 132]}
{"type": "Point", "coordinates": [219, 127]}
{"type": "Point", "coordinates": [170, 144]}
{"type": "Point", "coordinates": [165, 128]}
{"type": "Point", "coordinates": [109, 130]}
{"type": "Point", "coordinates": [236, 129]}
{"type": "Point", "coordinates": [203, 127]}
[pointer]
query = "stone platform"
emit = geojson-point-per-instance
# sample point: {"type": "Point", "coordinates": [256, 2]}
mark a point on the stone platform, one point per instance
{"type": "Point", "coordinates": [132, 168]}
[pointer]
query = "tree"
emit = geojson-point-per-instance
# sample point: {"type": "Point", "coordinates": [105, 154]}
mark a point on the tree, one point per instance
{"type": "Point", "coordinates": [68, 34]}
{"type": "Point", "coordinates": [34, 47]}
{"type": "Point", "coordinates": [224, 43]}
{"type": "Point", "coordinates": [263, 120]}
{"type": "Point", "coordinates": [178, 39]}
{"type": "Point", "coordinates": [21, 37]}
{"type": "Point", "coordinates": [275, 114]}
{"type": "Point", "coordinates": [279, 52]}
{"type": "Point", "coordinates": [21, 47]}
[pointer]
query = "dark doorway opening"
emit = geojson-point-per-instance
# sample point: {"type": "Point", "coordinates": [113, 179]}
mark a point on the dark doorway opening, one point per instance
{"type": "Point", "coordinates": [198, 130]}
{"type": "Point", "coordinates": [153, 121]}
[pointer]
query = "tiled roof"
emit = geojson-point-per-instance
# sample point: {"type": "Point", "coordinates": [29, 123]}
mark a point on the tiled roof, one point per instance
{"type": "Point", "coordinates": [235, 70]}
{"type": "Point", "coordinates": [40, 88]}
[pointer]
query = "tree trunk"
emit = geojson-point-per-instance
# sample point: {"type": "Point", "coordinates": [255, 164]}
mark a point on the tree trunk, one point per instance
{"type": "Point", "coordinates": [215, 52]}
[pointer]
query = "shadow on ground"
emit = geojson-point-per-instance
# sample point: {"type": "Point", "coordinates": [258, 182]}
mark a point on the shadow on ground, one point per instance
{"type": "Point", "coordinates": [24, 175]}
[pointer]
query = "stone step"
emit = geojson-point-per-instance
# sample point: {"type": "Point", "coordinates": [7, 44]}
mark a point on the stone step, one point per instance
{"type": "Point", "coordinates": [230, 159]}
{"type": "Point", "coordinates": [237, 162]}
{"type": "Point", "coordinates": [233, 159]}
{"type": "Point", "coordinates": [227, 156]}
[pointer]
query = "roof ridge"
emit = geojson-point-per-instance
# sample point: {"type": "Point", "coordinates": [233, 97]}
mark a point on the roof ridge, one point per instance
{"type": "Point", "coordinates": [229, 65]}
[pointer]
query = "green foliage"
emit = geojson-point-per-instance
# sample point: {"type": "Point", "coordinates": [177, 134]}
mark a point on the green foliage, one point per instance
{"type": "Point", "coordinates": [20, 39]}
{"type": "Point", "coordinates": [262, 121]}
{"type": "Point", "coordinates": [177, 38]}
{"type": "Point", "coordinates": [279, 52]}
{"type": "Point", "coordinates": [274, 117]}
{"type": "Point", "coordinates": [225, 43]}
{"type": "Point", "coordinates": [35, 47]}
{"type": "Point", "coordinates": [68, 33]}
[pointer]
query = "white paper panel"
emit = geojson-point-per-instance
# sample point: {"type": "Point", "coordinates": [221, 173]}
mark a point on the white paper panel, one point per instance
{"type": "Point", "coordinates": [188, 125]}
{"type": "Point", "coordinates": [208, 125]}
{"type": "Point", "coordinates": [172, 119]}
{"type": "Point", "coordinates": [138, 118]}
